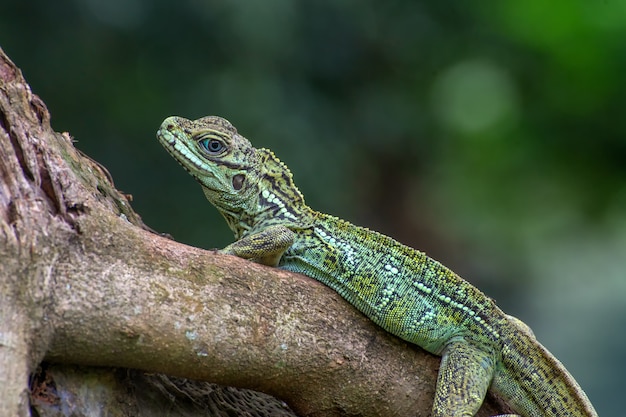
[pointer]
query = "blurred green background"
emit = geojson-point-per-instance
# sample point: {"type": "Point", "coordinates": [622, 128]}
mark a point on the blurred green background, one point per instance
{"type": "Point", "coordinates": [491, 135]}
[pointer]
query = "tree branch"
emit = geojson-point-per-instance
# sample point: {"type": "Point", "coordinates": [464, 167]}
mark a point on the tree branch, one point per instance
{"type": "Point", "coordinates": [87, 284]}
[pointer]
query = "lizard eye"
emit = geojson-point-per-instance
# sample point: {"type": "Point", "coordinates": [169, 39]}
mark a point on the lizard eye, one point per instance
{"type": "Point", "coordinates": [212, 146]}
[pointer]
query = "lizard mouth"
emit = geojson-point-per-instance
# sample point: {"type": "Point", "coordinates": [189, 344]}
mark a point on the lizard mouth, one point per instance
{"type": "Point", "coordinates": [179, 150]}
{"type": "Point", "coordinates": [166, 136]}
{"type": "Point", "coordinates": [170, 137]}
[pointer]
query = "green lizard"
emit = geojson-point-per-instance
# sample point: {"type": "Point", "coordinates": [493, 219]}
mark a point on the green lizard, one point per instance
{"type": "Point", "coordinates": [401, 289]}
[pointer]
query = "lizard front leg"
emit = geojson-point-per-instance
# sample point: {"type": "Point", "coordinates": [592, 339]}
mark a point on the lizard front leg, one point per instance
{"type": "Point", "coordinates": [264, 247]}
{"type": "Point", "coordinates": [464, 376]}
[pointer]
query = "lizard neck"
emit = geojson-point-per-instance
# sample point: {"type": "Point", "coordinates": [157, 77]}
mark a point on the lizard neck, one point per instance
{"type": "Point", "coordinates": [275, 199]}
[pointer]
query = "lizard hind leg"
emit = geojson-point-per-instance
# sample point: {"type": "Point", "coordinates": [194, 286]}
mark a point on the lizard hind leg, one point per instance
{"type": "Point", "coordinates": [464, 376]}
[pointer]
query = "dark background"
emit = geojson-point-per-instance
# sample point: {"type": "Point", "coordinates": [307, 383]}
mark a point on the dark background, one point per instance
{"type": "Point", "coordinates": [491, 135]}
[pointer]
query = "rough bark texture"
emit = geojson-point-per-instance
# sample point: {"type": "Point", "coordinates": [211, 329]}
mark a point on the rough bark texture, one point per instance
{"type": "Point", "coordinates": [84, 283]}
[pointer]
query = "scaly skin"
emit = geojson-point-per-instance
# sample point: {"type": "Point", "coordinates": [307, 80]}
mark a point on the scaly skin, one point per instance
{"type": "Point", "coordinates": [399, 288]}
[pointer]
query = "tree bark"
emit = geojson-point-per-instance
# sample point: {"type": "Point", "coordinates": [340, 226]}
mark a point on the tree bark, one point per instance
{"type": "Point", "coordinates": [83, 282]}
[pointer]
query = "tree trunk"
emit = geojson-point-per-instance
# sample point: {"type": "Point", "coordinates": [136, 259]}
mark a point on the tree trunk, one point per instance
{"type": "Point", "coordinates": [83, 282]}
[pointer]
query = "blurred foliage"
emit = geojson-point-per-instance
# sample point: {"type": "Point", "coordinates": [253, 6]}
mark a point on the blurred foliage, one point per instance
{"type": "Point", "coordinates": [490, 134]}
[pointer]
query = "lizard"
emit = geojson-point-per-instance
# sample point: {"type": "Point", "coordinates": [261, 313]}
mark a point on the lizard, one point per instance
{"type": "Point", "coordinates": [407, 293]}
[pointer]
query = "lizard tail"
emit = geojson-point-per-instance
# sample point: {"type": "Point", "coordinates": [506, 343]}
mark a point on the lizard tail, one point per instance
{"type": "Point", "coordinates": [535, 383]}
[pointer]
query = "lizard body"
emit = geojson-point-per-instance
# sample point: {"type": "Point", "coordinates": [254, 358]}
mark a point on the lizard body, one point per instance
{"type": "Point", "coordinates": [399, 288]}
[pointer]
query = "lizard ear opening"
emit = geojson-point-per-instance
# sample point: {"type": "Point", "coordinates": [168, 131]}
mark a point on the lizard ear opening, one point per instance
{"type": "Point", "coordinates": [238, 181]}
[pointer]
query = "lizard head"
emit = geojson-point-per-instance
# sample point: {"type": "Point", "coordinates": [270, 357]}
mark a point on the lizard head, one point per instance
{"type": "Point", "coordinates": [245, 184]}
